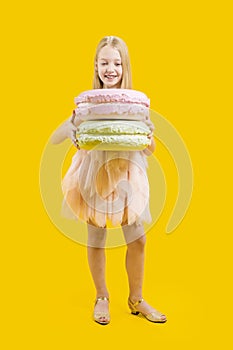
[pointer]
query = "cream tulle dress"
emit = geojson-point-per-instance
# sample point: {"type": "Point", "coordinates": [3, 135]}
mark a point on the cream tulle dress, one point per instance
{"type": "Point", "coordinates": [107, 186]}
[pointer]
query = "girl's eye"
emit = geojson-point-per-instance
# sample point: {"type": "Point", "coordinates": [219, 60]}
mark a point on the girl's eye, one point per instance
{"type": "Point", "coordinates": [103, 64]}
{"type": "Point", "coordinates": [118, 64]}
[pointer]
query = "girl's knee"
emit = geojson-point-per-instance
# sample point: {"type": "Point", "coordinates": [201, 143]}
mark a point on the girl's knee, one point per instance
{"type": "Point", "coordinates": [135, 233]}
{"type": "Point", "coordinates": [96, 236]}
{"type": "Point", "coordinates": [139, 243]}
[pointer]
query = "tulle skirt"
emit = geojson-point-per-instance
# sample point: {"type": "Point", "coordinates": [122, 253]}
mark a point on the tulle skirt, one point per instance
{"type": "Point", "coordinates": [107, 186]}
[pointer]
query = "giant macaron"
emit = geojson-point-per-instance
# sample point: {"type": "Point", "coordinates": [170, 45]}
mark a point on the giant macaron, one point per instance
{"type": "Point", "coordinates": [112, 119]}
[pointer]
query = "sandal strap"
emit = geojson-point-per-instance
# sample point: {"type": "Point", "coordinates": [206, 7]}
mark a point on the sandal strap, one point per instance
{"type": "Point", "coordinates": [101, 298]}
{"type": "Point", "coordinates": [137, 302]}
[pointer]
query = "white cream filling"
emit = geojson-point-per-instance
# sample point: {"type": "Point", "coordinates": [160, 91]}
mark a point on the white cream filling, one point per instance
{"type": "Point", "coordinates": [113, 127]}
{"type": "Point", "coordinates": [132, 140]}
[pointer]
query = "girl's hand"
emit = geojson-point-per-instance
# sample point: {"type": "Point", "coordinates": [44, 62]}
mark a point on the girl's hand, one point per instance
{"type": "Point", "coordinates": [150, 149]}
{"type": "Point", "coordinates": [66, 130]}
{"type": "Point", "coordinates": [150, 135]}
{"type": "Point", "coordinates": [149, 123]}
{"type": "Point", "coordinates": [75, 120]}
{"type": "Point", "coordinates": [72, 128]}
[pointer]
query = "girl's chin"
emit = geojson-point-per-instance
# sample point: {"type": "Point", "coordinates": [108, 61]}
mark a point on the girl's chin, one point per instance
{"type": "Point", "coordinates": [108, 85]}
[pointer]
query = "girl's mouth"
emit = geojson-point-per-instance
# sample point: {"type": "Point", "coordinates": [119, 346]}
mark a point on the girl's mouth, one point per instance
{"type": "Point", "coordinates": [110, 76]}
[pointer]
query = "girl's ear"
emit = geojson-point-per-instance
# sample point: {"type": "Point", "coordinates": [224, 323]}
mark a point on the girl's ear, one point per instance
{"type": "Point", "coordinates": [96, 66]}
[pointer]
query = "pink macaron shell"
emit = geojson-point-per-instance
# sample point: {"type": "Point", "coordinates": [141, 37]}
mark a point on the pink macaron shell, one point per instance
{"type": "Point", "coordinates": [112, 108]}
{"type": "Point", "coordinates": [113, 95]}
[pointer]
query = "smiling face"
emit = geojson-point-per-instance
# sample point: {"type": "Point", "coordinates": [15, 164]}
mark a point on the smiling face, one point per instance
{"type": "Point", "coordinates": [109, 67]}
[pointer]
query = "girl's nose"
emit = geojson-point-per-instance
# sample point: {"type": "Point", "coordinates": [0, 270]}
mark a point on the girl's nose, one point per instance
{"type": "Point", "coordinates": [110, 67]}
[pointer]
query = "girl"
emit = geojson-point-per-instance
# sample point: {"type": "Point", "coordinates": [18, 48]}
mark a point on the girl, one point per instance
{"type": "Point", "coordinates": [112, 70]}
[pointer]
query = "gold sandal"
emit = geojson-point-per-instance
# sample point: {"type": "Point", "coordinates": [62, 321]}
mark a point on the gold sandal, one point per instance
{"type": "Point", "coordinates": [99, 316]}
{"type": "Point", "coordinates": [154, 316]}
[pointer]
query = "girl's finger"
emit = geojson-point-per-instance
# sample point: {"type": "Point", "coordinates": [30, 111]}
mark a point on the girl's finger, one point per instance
{"type": "Point", "coordinates": [73, 117]}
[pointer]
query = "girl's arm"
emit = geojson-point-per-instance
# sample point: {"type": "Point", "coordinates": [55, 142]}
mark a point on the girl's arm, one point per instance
{"type": "Point", "coordinates": [150, 149]}
{"type": "Point", "coordinates": [65, 130]}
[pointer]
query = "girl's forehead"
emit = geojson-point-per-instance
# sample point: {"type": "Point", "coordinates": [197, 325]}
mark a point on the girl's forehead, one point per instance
{"type": "Point", "coordinates": [109, 52]}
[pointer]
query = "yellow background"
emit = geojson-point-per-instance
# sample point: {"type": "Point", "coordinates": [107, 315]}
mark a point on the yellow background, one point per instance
{"type": "Point", "coordinates": [180, 56]}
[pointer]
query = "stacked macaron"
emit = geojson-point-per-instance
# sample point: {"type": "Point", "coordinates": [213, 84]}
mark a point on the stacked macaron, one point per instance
{"type": "Point", "coordinates": [112, 119]}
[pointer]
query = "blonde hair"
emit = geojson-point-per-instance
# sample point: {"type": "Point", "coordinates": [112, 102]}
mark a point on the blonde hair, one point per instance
{"type": "Point", "coordinates": [119, 44]}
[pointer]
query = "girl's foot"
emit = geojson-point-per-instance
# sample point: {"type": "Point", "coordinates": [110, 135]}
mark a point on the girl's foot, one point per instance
{"type": "Point", "coordinates": [101, 311]}
{"type": "Point", "coordinates": [141, 306]}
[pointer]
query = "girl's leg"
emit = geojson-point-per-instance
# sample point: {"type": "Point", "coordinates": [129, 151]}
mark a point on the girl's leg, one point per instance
{"type": "Point", "coordinates": [135, 255]}
{"type": "Point", "coordinates": [135, 265]}
{"type": "Point", "coordinates": [97, 261]}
